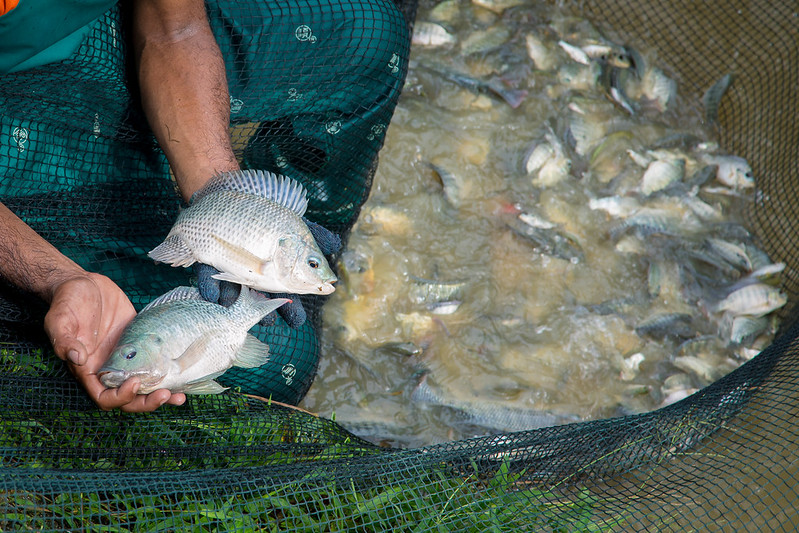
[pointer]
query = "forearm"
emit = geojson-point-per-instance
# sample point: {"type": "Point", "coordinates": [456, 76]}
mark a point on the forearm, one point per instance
{"type": "Point", "coordinates": [29, 261]}
{"type": "Point", "coordinates": [184, 89]}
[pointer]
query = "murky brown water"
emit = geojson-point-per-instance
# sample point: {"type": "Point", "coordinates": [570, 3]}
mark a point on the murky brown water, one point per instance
{"type": "Point", "coordinates": [481, 292]}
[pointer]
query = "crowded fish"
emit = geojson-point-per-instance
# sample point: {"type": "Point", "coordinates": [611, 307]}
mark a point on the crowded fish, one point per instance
{"type": "Point", "coordinates": [573, 250]}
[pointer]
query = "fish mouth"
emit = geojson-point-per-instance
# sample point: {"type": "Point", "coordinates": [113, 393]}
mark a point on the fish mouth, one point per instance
{"type": "Point", "coordinates": [112, 378]}
{"type": "Point", "coordinates": [327, 288]}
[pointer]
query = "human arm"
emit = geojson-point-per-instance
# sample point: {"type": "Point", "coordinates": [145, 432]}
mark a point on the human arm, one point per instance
{"type": "Point", "coordinates": [86, 316]}
{"type": "Point", "coordinates": [183, 86]}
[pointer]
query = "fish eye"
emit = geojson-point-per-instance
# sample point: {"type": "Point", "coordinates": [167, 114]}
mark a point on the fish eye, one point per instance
{"type": "Point", "coordinates": [130, 354]}
{"type": "Point", "coordinates": [313, 263]}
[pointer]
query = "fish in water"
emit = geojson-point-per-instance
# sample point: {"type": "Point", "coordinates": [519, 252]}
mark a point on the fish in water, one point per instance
{"type": "Point", "coordinates": [494, 86]}
{"type": "Point", "coordinates": [249, 226]}
{"type": "Point", "coordinates": [490, 415]}
{"type": "Point", "coordinates": [182, 343]}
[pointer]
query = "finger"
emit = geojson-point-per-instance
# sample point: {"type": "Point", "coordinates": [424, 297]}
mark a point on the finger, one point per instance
{"type": "Point", "coordinates": [177, 398]}
{"type": "Point", "coordinates": [70, 349]}
{"type": "Point", "coordinates": [269, 320]}
{"type": "Point", "coordinates": [147, 402]}
{"type": "Point", "coordinates": [292, 312]}
{"type": "Point", "coordinates": [207, 285]}
{"type": "Point", "coordinates": [65, 345]}
{"type": "Point", "coordinates": [228, 293]}
{"type": "Point", "coordinates": [108, 399]}
{"type": "Point", "coordinates": [328, 241]}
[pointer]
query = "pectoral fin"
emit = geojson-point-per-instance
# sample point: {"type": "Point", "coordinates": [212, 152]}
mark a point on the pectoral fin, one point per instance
{"type": "Point", "coordinates": [253, 353]}
{"type": "Point", "coordinates": [195, 353]}
{"type": "Point", "coordinates": [245, 258]}
{"type": "Point", "coordinates": [204, 387]}
{"type": "Point", "coordinates": [173, 251]}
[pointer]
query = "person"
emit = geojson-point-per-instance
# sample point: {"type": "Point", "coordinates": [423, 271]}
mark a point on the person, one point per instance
{"type": "Point", "coordinates": [195, 74]}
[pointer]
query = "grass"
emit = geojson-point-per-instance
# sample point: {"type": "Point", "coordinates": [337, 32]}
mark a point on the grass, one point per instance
{"type": "Point", "coordinates": [433, 501]}
{"type": "Point", "coordinates": [154, 473]}
{"type": "Point", "coordinates": [66, 468]}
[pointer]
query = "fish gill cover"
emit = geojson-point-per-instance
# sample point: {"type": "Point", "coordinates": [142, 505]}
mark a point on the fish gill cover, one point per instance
{"type": "Point", "coordinates": [724, 458]}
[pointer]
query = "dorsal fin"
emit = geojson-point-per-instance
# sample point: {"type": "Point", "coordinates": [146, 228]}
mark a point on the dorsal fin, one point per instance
{"type": "Point", "coordinates": [279, 189]}
{"type": "Point", "coordinates": [179, 293]}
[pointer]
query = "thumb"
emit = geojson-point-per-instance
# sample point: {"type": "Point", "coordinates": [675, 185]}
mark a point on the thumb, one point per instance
{"type": "Point", "coordinates": [71, 349]}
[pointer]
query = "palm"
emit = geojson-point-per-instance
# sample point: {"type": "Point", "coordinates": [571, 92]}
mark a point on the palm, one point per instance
{"type": "Point", "coordinates": [86, 318]}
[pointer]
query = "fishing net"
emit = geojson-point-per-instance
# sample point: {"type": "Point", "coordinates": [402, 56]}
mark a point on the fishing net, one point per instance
{"type": "Point", "coordinates": [78, 165]}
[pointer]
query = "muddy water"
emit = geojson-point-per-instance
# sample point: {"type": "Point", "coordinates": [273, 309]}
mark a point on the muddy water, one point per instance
{"type": "Point", "coordinates": [454, 318]}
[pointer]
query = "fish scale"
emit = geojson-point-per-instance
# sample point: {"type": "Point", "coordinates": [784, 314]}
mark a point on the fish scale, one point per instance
{"type": "Point", "coordinates": [249, 226]}
{"type": "Point", "coordinates": [181, 342]}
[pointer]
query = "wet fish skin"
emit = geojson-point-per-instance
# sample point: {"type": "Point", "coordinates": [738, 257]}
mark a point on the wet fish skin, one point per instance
{"type": "Point", "coordinates": [712, 97]}
{"type": "Point", "coordinates": [181, 342]}
{"type": "Point", "coordinates": [662, 324]}
{"type": "Point", "coordinates": [733, 171]}
{"type": "Point", "coordinates": [755, 300]}
{"type": "Point", "coordinates": [548, 241]}
{"type": "Point", "coordinates": [431, 34]}
{"type": "Point", "coordinates": [491, 415]}
{"type": "Point", "coordinates": [493, 86]}
{"type": "Point", "coordinates": [249, 226]}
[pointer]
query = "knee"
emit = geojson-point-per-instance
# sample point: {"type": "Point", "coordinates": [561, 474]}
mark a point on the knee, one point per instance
{"type": "Point", "coordinates": [378, 37]}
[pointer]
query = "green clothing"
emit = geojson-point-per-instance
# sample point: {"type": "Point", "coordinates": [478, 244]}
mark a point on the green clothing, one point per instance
{"type": "Point", "coordinates": [37, 32]}
{"type": "Point", "coordinates": [313, 85]}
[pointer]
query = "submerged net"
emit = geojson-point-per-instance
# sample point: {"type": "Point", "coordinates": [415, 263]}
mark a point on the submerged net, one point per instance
{"type": "Point", "coordinates": [76, 168]}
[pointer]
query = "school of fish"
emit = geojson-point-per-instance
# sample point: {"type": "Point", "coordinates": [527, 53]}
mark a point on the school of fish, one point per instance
{"type": "Point", "coordinates": [552, 228]}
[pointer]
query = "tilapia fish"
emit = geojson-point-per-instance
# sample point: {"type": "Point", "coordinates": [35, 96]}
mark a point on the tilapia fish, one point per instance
{"type": "Point", "coordinates": [182, 343]}
{"type": "Point", "coordinates": [249, 226]}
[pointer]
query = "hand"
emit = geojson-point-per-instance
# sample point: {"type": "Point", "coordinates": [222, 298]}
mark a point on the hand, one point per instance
{"type": "Point", "coordinates": [225, 293]}
{"type": "Point", "coordinates": [86, 318]}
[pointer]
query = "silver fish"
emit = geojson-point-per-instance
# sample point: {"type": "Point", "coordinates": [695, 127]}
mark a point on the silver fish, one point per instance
{"type": "Point", "coordinates": [754, 300]}
{"type": "Point", "coordinates": [248, 225]}
{"type": "Point", "coordinates": [498, 6]}
{"type": "Point", "coordinates": [431, 34]}
{"type": "Point", "coordinates": [733, 171]}
{"type": "Point", "coordinates": [662, 324]}
{"type": "Point", "coordinates": [493, 86]}
{"type": "Point", "coordinates": [182, 343]}
{"type": "Point", "coordinates": [491, 415]}
{"type": "Point", "coordinates": [661, 173]}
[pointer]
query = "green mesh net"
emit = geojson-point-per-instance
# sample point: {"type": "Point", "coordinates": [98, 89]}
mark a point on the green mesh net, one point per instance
{"type": "Point", "coordinates": [723, 459]}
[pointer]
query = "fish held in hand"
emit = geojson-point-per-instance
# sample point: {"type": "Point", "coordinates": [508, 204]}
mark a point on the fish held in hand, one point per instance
{"type": "Point", "coordinates": [182, 343]}
{"type": "Point", "coordinates": [249, 226]}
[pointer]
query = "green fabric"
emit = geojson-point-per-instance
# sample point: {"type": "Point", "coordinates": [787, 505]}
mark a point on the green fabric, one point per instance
{"type": "Point", "coordinates": [318, 82]}
{"type": "Point", "coordinates": [37, 32]}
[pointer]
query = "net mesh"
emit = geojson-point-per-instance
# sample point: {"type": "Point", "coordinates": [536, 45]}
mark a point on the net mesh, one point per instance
{"type": "Point", "coordinates": [723, 459]}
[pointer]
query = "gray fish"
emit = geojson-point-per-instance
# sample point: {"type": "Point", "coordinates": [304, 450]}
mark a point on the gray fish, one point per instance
{"type": "Point", "coordinates": [702, 176]}
{"type": "Point", "coordinates": [548, 241]}
{"type": "Point", "coordinates": [432, 292]}
{"type": "Point", "coordinates": [493, 86]}
{"type": "Point", "coordinates": [182, 343]}
{"type": "Point", "coordinates": [732, 253]}
{"type": "Point", "coordinates": [491, 415]}
{"type": "Point", "coordinates": [249, 226]}
{"type": "Point", "coordinates": [744, 329]}
{"type": "Point", "coordinates": [712, 98]}
{"type": "Point", "coordinates": [647, 222]}
{"type": "Point", "coordinates": [662, 324]}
